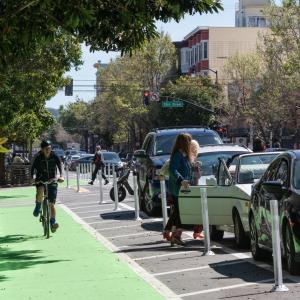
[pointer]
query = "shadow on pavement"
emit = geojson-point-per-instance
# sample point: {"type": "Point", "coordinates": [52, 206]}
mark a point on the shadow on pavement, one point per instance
{"type": "Point", "coordinates": [118, 215]}
{"type": "Point", "coordinates": [12, 197]}
{"type": "Point", "coordinates": [17, 238]}
{"type": "Point", "coordinates": [153, 226]}
{"type": "Point", "coordinates": [17, 260]}
{"type": "Point", "coordinates": [246, 271]}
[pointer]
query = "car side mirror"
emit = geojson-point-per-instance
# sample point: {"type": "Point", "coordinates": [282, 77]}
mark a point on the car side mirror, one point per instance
{"type": "Point", "coordinates": [140, 154]}
{"type": "Point", "coordinates": [275, 188]}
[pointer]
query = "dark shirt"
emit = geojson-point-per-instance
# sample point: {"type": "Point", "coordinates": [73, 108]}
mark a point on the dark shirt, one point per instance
{"type": "Point", "coordinates": [179, 170]}
{"type": "Point", "coordinates": [46, 168]}
{"type": "Point", "coordinates": [97, 160]}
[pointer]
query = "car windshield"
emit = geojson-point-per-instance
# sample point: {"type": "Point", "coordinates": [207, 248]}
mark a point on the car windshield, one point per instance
{"type": "Point", "coordinates": [253, 167]}
{"type": "Point", "coordinates": [164, 143]}
{"type": "Point", "coordinates": [210, 161]}
{"type": "Point", "coordinates": [111, 156]}
{"type": "Point", "coordinates": [59, 152]}
{"type": "Point", "coordinates": [296, 180]}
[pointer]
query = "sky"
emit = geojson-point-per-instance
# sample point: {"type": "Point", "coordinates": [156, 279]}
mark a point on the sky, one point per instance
{"type": "Point", "coordinates": [87, 74]}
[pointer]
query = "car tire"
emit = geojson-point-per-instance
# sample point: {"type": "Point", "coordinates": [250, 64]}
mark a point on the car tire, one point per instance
{"type": "Point", "coordinates": [257, 253]}
{"type": "Point", "coordinates": [241, 239]}
{"type": "Point", "coordinates": [292, 265]}
{"type": "Point", "coordinates": [216, 235]}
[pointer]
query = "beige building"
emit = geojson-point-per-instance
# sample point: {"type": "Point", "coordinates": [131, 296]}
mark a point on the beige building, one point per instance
{"type": "Point", "coordinates": [205, 50]}
{"type": "Point", "coordinates": [250, 13]}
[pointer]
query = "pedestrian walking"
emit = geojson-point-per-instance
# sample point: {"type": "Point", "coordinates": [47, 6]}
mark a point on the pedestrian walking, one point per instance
{"type": "Point", "coordinates": [97, 161]}
{"type": "Point", "coordinates": [179, 176]}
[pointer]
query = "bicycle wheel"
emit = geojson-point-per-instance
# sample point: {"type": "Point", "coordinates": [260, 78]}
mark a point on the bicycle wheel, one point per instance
{"type": "Point", "coordinates": [46, 218]}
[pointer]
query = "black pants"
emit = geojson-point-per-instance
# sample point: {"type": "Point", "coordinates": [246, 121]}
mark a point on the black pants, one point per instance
{"type": "Point", "coordinates": [174, 219]}
{"type": "Point", "coordinates": [97, 168]}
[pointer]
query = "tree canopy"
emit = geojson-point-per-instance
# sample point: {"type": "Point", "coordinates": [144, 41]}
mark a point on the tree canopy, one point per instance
{"type": "Point", "coordinates": [103, 25]}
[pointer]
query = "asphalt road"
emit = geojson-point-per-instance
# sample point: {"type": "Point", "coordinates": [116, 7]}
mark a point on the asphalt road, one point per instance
{"type": "Point", "coordinates": [176, 272]}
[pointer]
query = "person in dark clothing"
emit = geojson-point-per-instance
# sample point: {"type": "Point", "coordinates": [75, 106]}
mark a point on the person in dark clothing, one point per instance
{"type": "Point", "coordinates": [97, 161]}
{"type": "Point", "coordinates": [45, 166]}
{"type": "Point", "coordinates": [179, 176]}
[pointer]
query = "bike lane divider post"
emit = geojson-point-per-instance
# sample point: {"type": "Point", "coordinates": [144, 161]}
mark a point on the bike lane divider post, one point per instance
{"type": "Point", "coordinates": [279, 286]}
{"type": "Point", "coordinates": [207, 249]}
{"type": "Point", "coordinates": [67, 175]}
{"type": "Point", "coordinates": [100, 186]}
{"type": "Point", "coordinates": [77, 177]}
{"type": "Point", "coordinates": [136, 197]}
{"type": "Point", "coordinates": [116, 192]}
{"type": "Point", "coordinates": [163, 200]}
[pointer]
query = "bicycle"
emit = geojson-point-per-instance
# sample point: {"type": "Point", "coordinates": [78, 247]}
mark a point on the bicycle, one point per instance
{"type": "Point", "coordinates": [45, 211]}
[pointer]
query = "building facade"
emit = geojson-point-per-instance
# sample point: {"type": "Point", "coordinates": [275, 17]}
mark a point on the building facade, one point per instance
{"type": "Point", "coordinates": [205, 50]}
{"type": "Point", "coordinates": [250, 13]}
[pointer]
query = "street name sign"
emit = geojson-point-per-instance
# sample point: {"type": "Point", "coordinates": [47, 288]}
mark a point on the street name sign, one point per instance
{"type": "Point", "coordinates": [175, 103]}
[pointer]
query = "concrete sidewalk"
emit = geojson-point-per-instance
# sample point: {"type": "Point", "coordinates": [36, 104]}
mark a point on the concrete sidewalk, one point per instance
{"type": "Point", "coordinates": [70, 265]}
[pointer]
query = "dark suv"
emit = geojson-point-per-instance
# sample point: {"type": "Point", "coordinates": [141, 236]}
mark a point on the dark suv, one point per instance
{"type": "Point", "coordinates": [155, 151]}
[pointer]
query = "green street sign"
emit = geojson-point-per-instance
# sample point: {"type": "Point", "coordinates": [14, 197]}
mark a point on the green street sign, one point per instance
{"type": "Point", "coordinates": [175, 103]}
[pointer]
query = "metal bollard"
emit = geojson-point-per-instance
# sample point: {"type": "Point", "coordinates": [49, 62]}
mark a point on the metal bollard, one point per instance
{"type": "Point", "coordinates": [163, 201]}
{"type": "Point", "coordinates": [279, 286]}
{"type": "Point", "coordinates": [100, 186]}
{"type": "Point", "coordinates": [116, 192]}
{"type": "Point", "coordinates": [67, 173]}
{"type": "Point", "coordinates": [207, 250]}
{"type": "Point", "coordinates": [77, 177]}
{"type": "Point", "coordinates": [136, 198]}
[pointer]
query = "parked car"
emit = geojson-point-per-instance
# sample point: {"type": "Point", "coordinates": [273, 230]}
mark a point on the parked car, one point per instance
{"type": "Point", "coordinates": [112, 159]}
{"type": "Point", "coordinates": [229, 200]}
{"type": "Point", "coordinates": [61, 154]}
{"type": "Point", "coordinates": [281, 181]}
{"type": "Point", "coordinates": [69, 160]}
{"type": "Point", "coordinates": [71, 152]}
{"type": "Point", "coordinates": [85, 159]}
{"type": "Point", "coordinates": [155, 151]}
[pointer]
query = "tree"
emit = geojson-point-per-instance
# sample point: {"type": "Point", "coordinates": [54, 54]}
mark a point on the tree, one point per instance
{"type": "Point", "coordinates": [122, 85]}
{"type": "Point", "coordinates": [104, 25]}
{"type": "Point", "coordinates": [267, 83]}
{"type": "Point", "coordinates": [202, 96]}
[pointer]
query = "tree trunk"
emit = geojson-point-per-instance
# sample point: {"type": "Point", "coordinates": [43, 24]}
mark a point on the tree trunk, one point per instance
{"type": "Point", "coordinates": [2, 169]}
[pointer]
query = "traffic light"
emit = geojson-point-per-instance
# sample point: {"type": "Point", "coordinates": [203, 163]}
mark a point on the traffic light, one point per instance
{"type": "Point", "coordinates": [146, 98]}
{"type": "Point", "coordinates": [222, 131]}
{"type": "Point", "coordinates": [69, 88]}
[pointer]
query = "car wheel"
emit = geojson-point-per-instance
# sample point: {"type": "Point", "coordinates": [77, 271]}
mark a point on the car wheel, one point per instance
{"type": "Point", "coordinates": [257, 253]}
{"type": "Point", "coordinates": [292, 266]}
{"type": "Point", "coordinates": [216, 235]}
{"type": "Point", "coordinates": [241, 239]}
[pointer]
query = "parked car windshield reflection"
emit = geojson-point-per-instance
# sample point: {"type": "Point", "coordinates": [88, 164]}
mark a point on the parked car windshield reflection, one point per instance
{"type": "Point", "coordinates": [296, 180]}
{"type": "Point", "coordinates": [164, 144]}
{"type": "Point", "coordinates": [253, 167]}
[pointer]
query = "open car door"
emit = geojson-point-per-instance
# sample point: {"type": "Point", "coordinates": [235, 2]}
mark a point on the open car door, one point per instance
{"type": "Point", "coordinates": [219, 198]}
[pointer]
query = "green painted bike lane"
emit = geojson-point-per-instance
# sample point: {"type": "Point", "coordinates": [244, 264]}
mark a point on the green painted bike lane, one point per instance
{"type": "Point", "coordinates": [70, 265]}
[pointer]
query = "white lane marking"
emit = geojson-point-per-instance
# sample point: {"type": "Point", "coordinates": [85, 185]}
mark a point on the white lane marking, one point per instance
{"type": "Point", "coordinates": [90, 217]}
{"type": "Point", "coordinates": [133, 234]}
{"type": "Point", "coordinates": [163, 255]}
{"type": "Point", "coordinates": [85, 204]}
{"type": "Point", "coordinates": [200, 268]}
{"type": "Point", "coordinates": [155, 283]}
{"type": "Point", "coordinates": [96, 205]}
{"type": "Point", "coordinates": [91, 211]}
{"type": "Point", "coordinates": [224, 288]}
{"type": "Point", "coordinates": [117, 227]}
{"type": "Point", "coordinates": [104, 221]}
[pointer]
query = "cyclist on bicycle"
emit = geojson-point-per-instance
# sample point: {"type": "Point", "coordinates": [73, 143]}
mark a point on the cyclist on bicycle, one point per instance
{"type": "Point", "coordinates": [45, 166]}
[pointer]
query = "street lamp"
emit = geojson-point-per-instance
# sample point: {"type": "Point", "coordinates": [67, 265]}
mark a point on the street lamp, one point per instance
{"type": "Point", "coordinates": [216, 73]}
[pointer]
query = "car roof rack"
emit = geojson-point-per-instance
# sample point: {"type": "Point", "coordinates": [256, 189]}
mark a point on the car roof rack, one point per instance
{"type": "Point", "coordinates": [181, 127]}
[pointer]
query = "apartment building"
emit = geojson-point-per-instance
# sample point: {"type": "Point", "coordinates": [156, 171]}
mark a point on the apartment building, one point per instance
{"type": "Point", "coordinates": [250, 13]}
{"type": "Point", "coordinates": [205, 50]}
